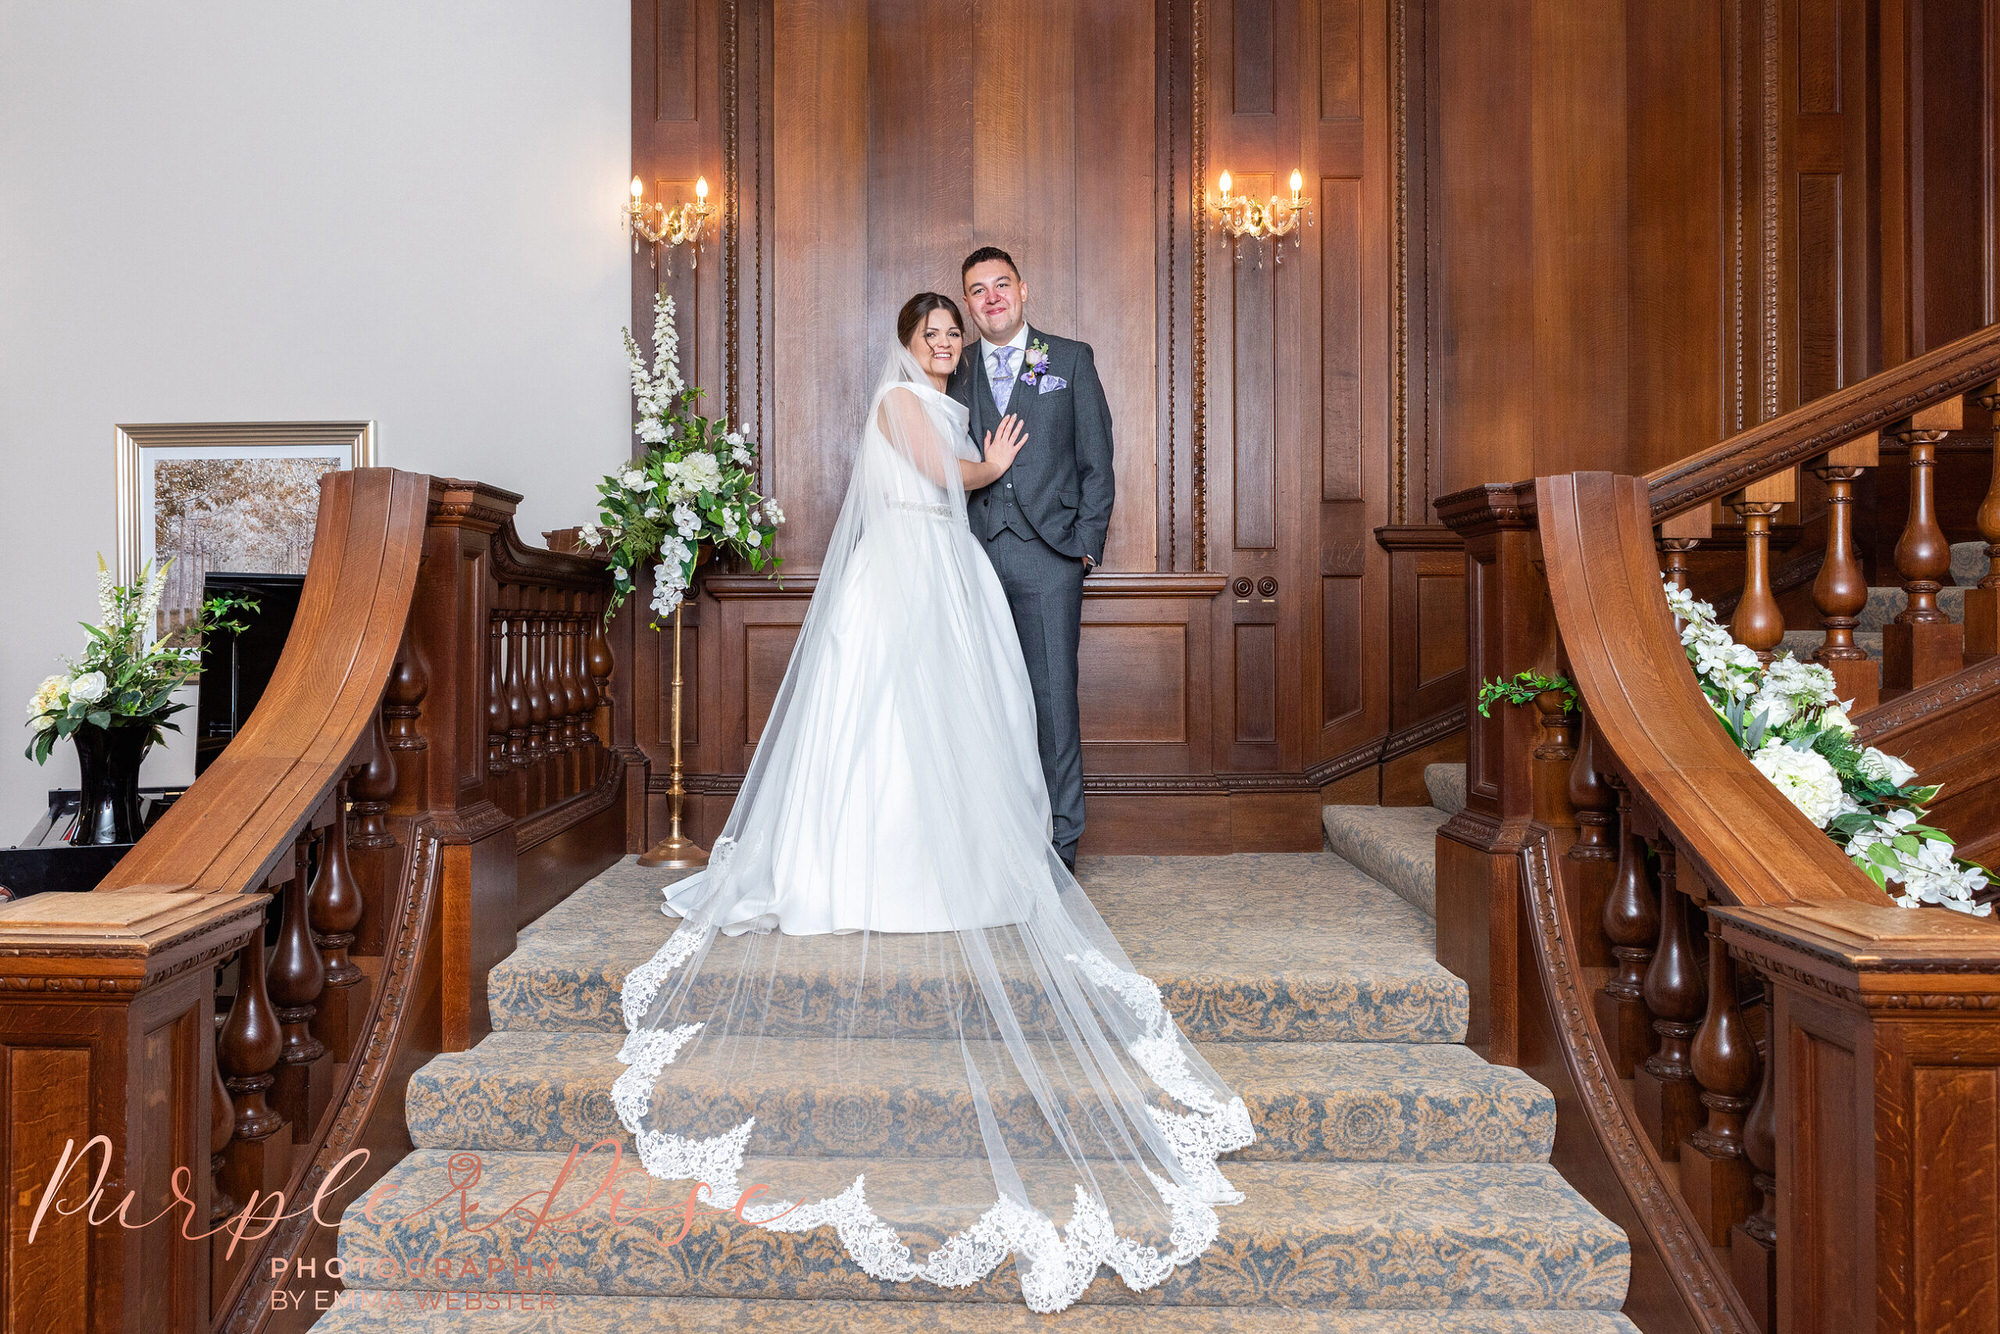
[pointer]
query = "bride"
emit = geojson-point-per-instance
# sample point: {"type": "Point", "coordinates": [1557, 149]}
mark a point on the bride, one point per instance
{"type": "Point", "coordinates": [886, 980]}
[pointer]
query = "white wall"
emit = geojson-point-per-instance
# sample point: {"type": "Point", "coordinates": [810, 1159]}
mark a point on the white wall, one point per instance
{"type": "Point", "coordinates": [217, 211]}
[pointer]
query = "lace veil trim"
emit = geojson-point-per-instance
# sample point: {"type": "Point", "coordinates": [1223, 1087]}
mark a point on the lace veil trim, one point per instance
{"type": "Point", "coordinates": [1056, 1265]}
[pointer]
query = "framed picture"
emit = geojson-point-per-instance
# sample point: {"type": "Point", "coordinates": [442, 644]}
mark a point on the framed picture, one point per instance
{"type": "Point", "coordinates": [235, 497]}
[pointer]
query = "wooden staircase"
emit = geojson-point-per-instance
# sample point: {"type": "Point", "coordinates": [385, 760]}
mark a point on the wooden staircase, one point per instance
{"type": "Point", "coordinates": [1397, 1180]}
{"type": "Point", "coordinates": [1765, 1070]}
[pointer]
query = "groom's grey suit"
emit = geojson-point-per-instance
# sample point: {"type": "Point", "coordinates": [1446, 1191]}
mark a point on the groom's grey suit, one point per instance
{"type": "Point", "coordinates": [1049, 511]}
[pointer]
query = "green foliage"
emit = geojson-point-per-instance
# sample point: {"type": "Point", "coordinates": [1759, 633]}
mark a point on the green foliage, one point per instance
{"type": "Point", "coordinates": [1523, 689]}
{"type": "Point", "coordinates": [124, 678]}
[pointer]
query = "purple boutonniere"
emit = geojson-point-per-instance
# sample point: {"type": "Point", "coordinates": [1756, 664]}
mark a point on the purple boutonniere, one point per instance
{"type": "Point", "coordinates": [1035, 363]}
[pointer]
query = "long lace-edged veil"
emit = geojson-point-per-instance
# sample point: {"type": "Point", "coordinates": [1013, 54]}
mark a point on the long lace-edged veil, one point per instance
{"type": "Point", "coordinates": [887, 999]}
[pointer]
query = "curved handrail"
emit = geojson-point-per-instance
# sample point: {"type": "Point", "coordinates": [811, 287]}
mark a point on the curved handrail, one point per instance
{"type": "Point", "coordinates": [1604, 583]}
{"type": "Point", "coordinates": [1809, 431]}
{"type": "Point", "coordinates": [243, 813]}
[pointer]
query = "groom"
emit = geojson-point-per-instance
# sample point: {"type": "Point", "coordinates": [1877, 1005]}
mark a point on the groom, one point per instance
{"type": "Point", "coordinates": [1044, 521]}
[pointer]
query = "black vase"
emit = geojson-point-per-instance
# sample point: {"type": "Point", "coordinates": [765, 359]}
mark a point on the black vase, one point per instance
{"type": "Point", "coordinates": [109, 759]}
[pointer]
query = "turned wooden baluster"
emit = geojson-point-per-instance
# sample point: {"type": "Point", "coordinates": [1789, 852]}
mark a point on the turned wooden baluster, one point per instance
{"type": "Point", "coordinates": [248, 1050]}
{"type": "Point", "coordinates": [1841, 590]}
{"type": "Point", "coordinates": [533, 642]}
{"type": "Point", "coordinates": [598, 659]}
{"type": "Point", "coordinates": [297, 977]}
{"type": "Point", "coordinates": [552, 686]}
{"type": "Point", "coordinates": [1982, 604]}
{"type": "Point", "coordinates": [403, 699]}
{"type": "Point", "coordinates": [1922, 644]}
{"type": "Point", "coordinates": [1554, 754]}
{"type": "Point", "coordinates": [1592, 799]}
{"type": "Point", "coordinates": [517, 707]}
{"type": "Point", "coordinates": [337, 907]}
{"type": "Point", "coordinates": [1590, 857]}
{"type": "Point", "coordinates": [1679, 535]}
{"type": "Point", "coordinates": [373, 788]}
{"type": "Point", "coordinates": [1674, 559]}
{"type": "Point", "coordinates": [1632, 925]}
{"type": "Point", "coordinates": [1758, 623]}
{"type": "Point", "coordinates": [577, 693]}
{"type": "Point", "coordinates": [575, 697]}
{"type": "Point", "coordinates": [1753, 1243]}
{"type": "Point", "coordinates": [1668, 1098]}
{"type": "Point", "coordinates": [221, 1124]}
{"type": "Point", "coordinates": [496, 707]}
{"type": "Point", "coordinates": [1715, 1176]}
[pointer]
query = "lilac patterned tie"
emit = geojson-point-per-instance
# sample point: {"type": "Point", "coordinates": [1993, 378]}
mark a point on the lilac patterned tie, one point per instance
{"type": "Point", "coordinates": [1003, 376]}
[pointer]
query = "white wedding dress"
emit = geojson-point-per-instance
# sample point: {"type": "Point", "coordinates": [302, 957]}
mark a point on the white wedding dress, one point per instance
{"type": "Point", "coordinates": [884, 925]}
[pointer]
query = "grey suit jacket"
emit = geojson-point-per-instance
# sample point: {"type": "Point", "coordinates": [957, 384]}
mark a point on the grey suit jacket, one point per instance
{"type": "Point", "coordinates": [1062, 479]}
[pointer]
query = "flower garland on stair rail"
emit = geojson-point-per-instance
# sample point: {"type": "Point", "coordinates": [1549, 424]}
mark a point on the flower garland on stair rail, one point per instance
{"type": "Point", "coordinates": [695, 486]}
{"type": "Point", "coordinates": [1787, 719]}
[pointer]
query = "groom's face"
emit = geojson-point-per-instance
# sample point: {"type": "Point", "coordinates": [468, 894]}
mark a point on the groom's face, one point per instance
{"type": "Point", "coordinates": [997, 298]}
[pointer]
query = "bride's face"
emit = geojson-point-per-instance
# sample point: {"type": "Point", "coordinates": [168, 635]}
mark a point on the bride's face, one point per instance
{"type": "Point", "coordinates": [937, 343]}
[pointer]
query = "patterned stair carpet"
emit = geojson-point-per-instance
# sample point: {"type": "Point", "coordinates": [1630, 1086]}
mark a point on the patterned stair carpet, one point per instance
{"type": "Point", "coordinates": [1397, 845]}
{"type": "Point", "coordinates": [1398, 1182]}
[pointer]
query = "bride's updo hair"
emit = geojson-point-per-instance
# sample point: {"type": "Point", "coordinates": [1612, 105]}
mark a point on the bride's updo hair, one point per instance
{"type": "Point", "coordinates": [918, 308]}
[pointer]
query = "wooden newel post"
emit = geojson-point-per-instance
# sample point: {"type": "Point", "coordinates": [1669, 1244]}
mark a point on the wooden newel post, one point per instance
{"type": "Point", "coordinates": [1478, 850]}
{"type": "Point", "coordinates": [1885, 1042]}
{"type": "Point", "coordinates": [107, 1028]}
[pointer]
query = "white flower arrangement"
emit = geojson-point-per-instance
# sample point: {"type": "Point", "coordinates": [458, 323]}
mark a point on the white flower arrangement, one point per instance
{"type": "Point", "coordinates": [121, 680]}
{"type": "Point", "coordinates": [693, 488]}
{"type": "Point", "coordinates": [1786, 719]}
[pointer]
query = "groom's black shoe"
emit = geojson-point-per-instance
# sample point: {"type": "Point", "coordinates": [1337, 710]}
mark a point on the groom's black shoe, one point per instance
{"type": "Point", "coordinates": [1069, 861]}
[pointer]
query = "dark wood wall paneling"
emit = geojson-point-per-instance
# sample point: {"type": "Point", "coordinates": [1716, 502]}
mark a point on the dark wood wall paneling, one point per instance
{"type": "Point", "coordinates": [1235, 645]}
{"type": "Point", "coordinates": [1304, 379]}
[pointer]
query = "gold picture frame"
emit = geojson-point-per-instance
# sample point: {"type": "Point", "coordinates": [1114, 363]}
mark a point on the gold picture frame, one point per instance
{"type": "Point", "coordinates": [246, 490]}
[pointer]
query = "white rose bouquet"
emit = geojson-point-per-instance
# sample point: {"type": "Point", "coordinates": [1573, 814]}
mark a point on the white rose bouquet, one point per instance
{"type": "Point", "coordinates": [121, 680]}
{"type": "Point", "coordinates": [1787, 720]}
{"type": "Point", "coordinates": [695, 486]}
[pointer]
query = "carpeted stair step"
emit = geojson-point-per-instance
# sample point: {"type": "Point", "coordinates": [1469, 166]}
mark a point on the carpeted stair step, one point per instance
{"type": "Point", "coordinates": [1246, 954]}
{"type": "Point", "coordinates": [1395, 845]}
{"type": "Point", "coordinates": [1885, 604]}
{"type": "Point", "coordinates": [539, 1091]}
{"type": "Point", "coordinates": [1308, 1235]}
{"type": "Point", "coordinates": [1446, 784]}
{"type": "Point", "coordinates": [1802, 644]}
{"type": "Point", "coordinates": [408, 1313]}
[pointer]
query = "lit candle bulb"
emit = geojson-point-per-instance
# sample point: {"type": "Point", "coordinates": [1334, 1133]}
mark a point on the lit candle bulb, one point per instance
{"type": "Point", "coordinates": [1225, 186]}
{"type": "Point", "coordinates": [701, 187]}
{"type": "Point", "coordinates": [1297, 181]}
{"type": "Point", "coordinates": [638, 189]}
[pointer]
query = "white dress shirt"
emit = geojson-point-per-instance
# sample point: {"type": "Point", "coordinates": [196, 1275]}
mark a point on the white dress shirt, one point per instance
{"type": "Point", "coordinates": [1019, 342]}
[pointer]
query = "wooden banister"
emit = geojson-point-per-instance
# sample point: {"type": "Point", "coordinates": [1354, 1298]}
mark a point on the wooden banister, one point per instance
{"type": "Point", "coordinates": [242, 814]}
{"type": "Point", "coordinates": [1805, 433]}
{"type": "Point", "coordinates": [1604, 583]}
{"type": "Point", "coordinates": [1818, 1184]}
{"type": "Point", "coordinates": [357, 812]}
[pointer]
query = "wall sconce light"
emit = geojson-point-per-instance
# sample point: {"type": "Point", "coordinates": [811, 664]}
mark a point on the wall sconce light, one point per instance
{"type": "Point", "coordinates": [1272, 219]}
{"type": "Point", "coordinates": [681, 225]}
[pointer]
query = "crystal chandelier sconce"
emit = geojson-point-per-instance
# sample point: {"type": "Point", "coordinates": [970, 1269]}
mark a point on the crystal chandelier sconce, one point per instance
{"type": "Point", "coordinates": [1260, 220]}
{"type": "Point", "coordinates": [668, 228]}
